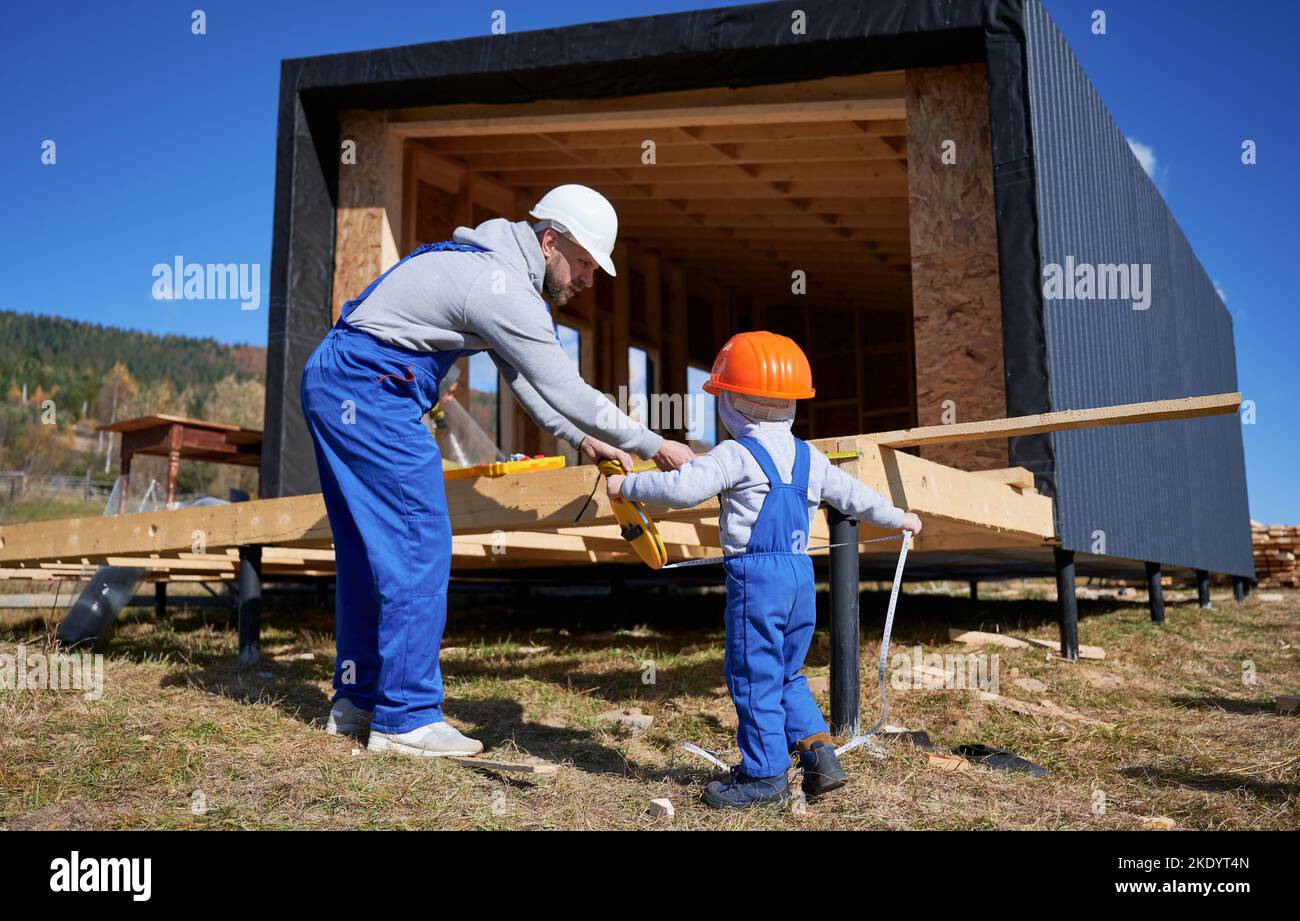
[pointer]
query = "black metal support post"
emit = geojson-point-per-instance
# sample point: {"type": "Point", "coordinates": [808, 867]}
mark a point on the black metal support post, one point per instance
{"type": "Point", "coordinates": [160, 598]}
{"type": "Point", "coordinates": [845, 718]}
{"type": "Point", "coordinates": [1203, 588]}
{"type": "Point", "coordinates": [1155, 593]}
{"type": "Point", "coordinates": [250, 604]}
{"type": "Point", "coordinates": [974, 590]}
{"type": "Point", "coordinates": [1067, 604]}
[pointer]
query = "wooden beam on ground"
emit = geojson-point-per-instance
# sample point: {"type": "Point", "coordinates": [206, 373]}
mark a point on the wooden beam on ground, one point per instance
{"type": "Point", "coordinates": [516, 767]}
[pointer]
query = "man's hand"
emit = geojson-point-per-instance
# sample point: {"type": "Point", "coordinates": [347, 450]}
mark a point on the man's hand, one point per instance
{"type": "Point", "coordinates": [911, 523]}
{"type": "Point", "coordinates": [596, 451]}
{"type": "Point", "coordinates": [614, 483]}
{"type": "Point", "coordinates": [673, 454]}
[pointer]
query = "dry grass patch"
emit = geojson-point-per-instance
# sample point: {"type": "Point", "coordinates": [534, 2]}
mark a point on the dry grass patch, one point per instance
{"type": "Point", "coordinates": [184, 738]}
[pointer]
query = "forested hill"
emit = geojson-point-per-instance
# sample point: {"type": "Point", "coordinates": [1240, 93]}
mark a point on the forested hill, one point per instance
{"type": "Point", "coordinates": [71, 358]}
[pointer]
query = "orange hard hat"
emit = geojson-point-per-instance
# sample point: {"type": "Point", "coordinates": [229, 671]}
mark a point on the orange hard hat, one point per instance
{"type": "Point", "coordinates": [762, 364]}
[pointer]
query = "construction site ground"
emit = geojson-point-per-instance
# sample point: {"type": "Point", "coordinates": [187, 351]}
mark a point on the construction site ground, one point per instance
{"type": "Point", "coordinates": [1176, 726]}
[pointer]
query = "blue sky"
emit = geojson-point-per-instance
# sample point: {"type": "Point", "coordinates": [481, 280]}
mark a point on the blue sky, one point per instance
{"type": "Point", "coordinates": [166, 147]}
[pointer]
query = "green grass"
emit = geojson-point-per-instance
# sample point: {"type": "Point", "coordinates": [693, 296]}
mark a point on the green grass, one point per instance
{"type": "Point", "coordinates": [48, 510]}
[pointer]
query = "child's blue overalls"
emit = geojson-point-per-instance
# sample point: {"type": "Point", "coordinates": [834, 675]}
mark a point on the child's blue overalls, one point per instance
{"type": "Point", "coordinates": [381, 478]}
{"type": "Point", "coordinates": [771, 613]}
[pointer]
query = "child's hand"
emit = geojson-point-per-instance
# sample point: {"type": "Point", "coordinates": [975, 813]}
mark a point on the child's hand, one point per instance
{"type": "Point", "coordinates": [614, 483]}
{"type": "Point", "coordinates": [911, 523]}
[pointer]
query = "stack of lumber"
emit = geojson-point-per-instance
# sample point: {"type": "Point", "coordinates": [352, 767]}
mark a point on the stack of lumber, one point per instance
{"type": "Point", "coordinates": [1275, 554]}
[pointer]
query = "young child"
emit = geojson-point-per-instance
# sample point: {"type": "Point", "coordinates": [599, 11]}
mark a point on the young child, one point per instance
{"type": "Point", "coordinates": [768, 484]}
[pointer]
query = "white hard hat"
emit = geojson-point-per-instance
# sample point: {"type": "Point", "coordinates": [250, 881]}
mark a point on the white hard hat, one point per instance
{"type": "Point", "coordinates": [585, 215]}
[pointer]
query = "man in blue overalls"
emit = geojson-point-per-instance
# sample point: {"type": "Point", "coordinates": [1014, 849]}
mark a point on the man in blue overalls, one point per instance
{"type": "Point", "coordinates": [364, 391]}
{"type": "Point", "coordinates": [768, 484]}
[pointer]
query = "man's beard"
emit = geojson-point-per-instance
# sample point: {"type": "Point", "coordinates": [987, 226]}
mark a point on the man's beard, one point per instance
{"type": "Point", "coordinates": [557, 292]}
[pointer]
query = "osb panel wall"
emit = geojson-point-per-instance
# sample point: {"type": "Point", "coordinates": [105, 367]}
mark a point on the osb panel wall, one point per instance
{"type": "Point", "coordinates": [956, 298]}
{"type": "Point", "coordinates": [360, 216]}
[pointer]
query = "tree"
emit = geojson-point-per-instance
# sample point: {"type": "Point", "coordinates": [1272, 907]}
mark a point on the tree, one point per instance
{"type": "Point", "coordinates": [116, 397]}
{"type": "Point", "coordinates": [238, 401]}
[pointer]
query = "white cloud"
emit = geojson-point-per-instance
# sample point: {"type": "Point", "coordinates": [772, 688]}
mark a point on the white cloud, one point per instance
{"type": "Point", "coordinates": [1146, 156]}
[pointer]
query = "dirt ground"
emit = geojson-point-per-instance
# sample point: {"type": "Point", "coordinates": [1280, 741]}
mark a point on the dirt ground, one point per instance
{"type": "Point", "coordinates": [1176, 726]}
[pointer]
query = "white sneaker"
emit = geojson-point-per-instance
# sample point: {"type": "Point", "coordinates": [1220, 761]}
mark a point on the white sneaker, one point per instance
{"type": "Point", "coordinates": [347, 719]}
{"type": "Point", "coordinates": [437, 740]}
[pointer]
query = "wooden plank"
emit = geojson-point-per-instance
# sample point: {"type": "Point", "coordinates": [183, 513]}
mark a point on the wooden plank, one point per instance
{"type": "Point", "coordinates": [622, 325]}
{"type": "Point", "coordinates": [393, 224]}
{"type": "Point", "coordinates": [660, 185]}
{"type": "Point", "coordinates": [1085, 652]}
{"type": "Point", "coordinates": [863, 97]}
{"type": "Point", "coordinates": [411, 124]}
{"type": "Point", "coordinates": [438, 171]}
{"type": "Point", "coordinates": [1044, 708]}
{"type": "Point", "coordinates": [632, 137]}
{"type": "Point", "coordinates": [877, 159]}
{"type": "Point", "coordinates": [265, 521]}
{"type": "Point", "coordinates": [951, 495]}
{"type": "Point", "coordinates": [1059, 421]}
{"type": "Point", "coordinates": [515, 767]}
{"type": "Point", "coordinates": [1019, 477]}
{"type": "Point", "coordinates": [982, 638]}
{"type": "Point", "coordinates": [675, 348]}
{"type": "Point", "coordinates": [361, 219]}
{"type": "Point", "coordinates": [893, 229]}
{"type": "Point", "coordinates": [225, 565]}
{"type": "Point", "coordinates": [889, 209]}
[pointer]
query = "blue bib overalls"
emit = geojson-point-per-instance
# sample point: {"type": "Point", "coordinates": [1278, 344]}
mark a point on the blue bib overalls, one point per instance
{"type": "Point", "coordinates": [381, 478]}
{"type": "Point", "coordinates": [771, 613]}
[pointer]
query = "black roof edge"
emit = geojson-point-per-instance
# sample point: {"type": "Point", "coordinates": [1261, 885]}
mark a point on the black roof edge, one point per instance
{"type": "Point", "coordinates": [884, 35]}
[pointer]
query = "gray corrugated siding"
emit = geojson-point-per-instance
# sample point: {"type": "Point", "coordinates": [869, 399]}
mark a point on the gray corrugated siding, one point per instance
{"type": "Point", "coordinates": [1169, 492]}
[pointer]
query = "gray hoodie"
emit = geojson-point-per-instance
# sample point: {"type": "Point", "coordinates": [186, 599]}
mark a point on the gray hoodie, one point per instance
{"type": "Point", "coordinates": [493, 300]}
{"type": "Point", "coordinates": [730, 472]}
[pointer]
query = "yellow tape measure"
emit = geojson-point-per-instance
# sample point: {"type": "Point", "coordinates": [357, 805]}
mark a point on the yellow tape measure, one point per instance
{"type": "Point", "coordinates": [637, 527]}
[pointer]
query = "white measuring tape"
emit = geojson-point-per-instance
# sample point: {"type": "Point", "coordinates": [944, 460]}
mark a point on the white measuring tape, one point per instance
{"type": "Point", "coordinates": [862, 738]}
{"type": "Point", "coordinates": [859, 738]}
{"type": "Point", "coordinates": [710, 561]}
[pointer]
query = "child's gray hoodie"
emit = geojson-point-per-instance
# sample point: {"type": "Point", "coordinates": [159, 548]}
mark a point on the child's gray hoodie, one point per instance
{"type": "Point", "coordinates": [446, 301]}
{"type": "Point", "coordinates": [730, 472]}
